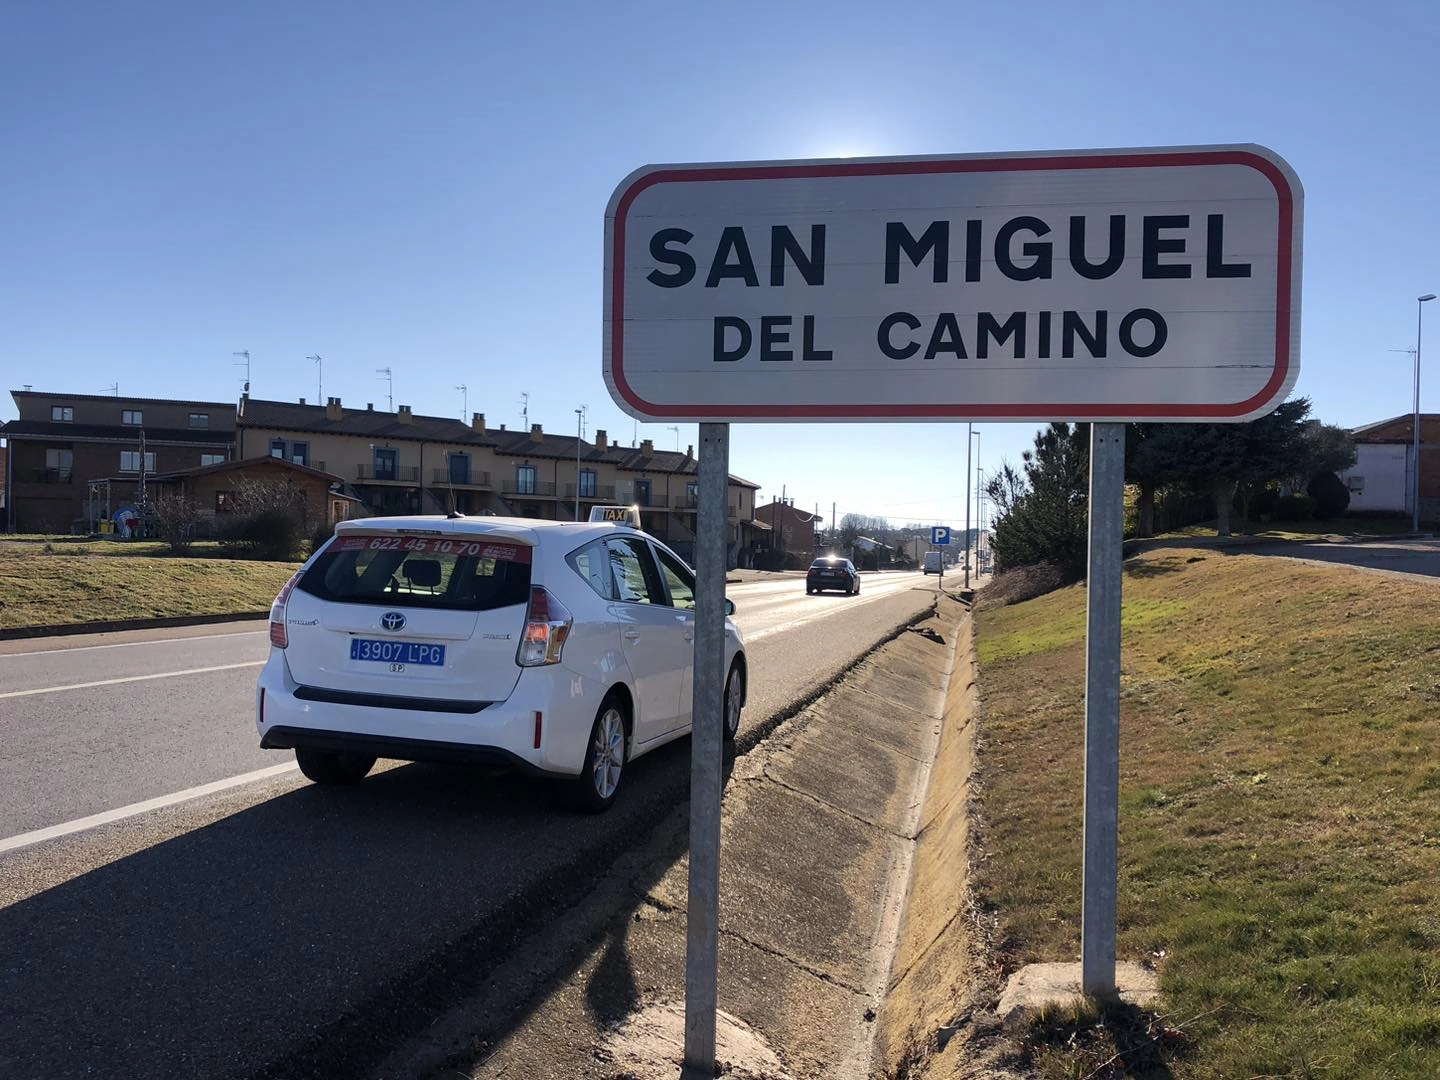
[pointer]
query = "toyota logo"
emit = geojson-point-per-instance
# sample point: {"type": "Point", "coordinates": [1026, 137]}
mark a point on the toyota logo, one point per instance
{"type": "Point", "coordinates": [392, 621]}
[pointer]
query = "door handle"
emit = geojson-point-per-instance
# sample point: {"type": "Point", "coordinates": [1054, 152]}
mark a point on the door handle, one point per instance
{"type": "Point", "coordinates": [632, 635]}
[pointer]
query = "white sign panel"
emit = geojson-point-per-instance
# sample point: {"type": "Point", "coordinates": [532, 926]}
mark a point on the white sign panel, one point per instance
{"type": "Point", "coordinates": [1103, 285]}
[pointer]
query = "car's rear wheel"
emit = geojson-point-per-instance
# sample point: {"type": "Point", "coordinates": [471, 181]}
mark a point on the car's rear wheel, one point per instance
{"type": "Point", "coordinates": [598, 784]}
{"type": "Point", "coordinates": [335, 769]}
{"type": "Point", "coordinates": [734, 700]}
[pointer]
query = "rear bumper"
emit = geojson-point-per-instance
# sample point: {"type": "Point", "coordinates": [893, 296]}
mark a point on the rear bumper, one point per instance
{"type": "Point", "coordinates": [290, 716]}
{"type": "Point", "coordinates": [280, 737]}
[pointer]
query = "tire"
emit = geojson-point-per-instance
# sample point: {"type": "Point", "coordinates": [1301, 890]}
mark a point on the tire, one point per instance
{"type": "Point", "coordinates": [733, 702]}
{"type": "Point", "coordinates": [606, 754]}
{"type": "Point", "coordinates": [336, 770]}
{"type": "Point", "coordinates": [857, 586]}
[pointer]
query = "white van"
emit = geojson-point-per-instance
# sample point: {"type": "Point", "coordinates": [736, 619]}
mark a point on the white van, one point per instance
{"type": "Point", "coordinates": [932, 563]}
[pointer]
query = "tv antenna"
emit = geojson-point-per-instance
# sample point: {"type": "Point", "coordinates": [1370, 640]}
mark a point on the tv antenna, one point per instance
{"type": "Point", "coordinates": [319, 378]}
{"type": "Point", "coordinates": [389, 386]}
{"type": "Point", "coordinates": [464, 401]}
{"type": "Point", "coordinates": [524, 411]}
{"type": "Point", "coordinates": [246, 365]}
{"type": "Point", "coordinates": [113, 388]}
{"type": "Point", "coordinates": [676, 430]}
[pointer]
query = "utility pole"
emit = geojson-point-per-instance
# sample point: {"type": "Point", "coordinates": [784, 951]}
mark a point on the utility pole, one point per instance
{"type": "Point", "coordinates": [319, 378]}
{"type": "Point", "coordinates": [389, 377]}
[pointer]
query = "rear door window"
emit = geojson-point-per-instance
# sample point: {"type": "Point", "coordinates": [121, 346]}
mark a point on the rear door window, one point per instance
{"type": "Point", "coordinates": [636, 579]}
{"type": "Point", "coordinates": [420, 571]}
{"type": "Point", "coordinates": [592, 563]}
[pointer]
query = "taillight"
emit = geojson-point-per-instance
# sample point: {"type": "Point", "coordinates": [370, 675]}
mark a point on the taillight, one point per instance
{"type": "Point", "coordinates": [547, 625]}
{"type": "Point", "coordinates": [278, 637]}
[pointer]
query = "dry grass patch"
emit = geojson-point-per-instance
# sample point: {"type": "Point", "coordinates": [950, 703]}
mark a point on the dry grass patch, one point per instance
{"type": "Point", "coordinates": [1280, 807]}
{"type": "Point", "coordinates": [54, 589]}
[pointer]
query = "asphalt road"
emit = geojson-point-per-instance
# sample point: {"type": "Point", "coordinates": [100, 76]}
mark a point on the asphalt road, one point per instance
{"type": "Point", "coordinates": [1409, 556]}
{"type": "Point", "coordinates": [273, 928]}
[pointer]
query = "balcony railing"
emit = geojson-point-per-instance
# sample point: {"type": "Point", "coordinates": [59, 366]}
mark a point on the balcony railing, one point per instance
{"type": "Point", "coordinates": [538, 488]}
{"type": "Point", "coordinates": [474, 478]}
{"type": "Point", "coordinates": [599, 493]}
{"type": "Point", "coordinates": [49, 476]}
{"type": "Point", "coordinates": [687, 502]}
{"type": "Point", "coordinates": [402, 474]}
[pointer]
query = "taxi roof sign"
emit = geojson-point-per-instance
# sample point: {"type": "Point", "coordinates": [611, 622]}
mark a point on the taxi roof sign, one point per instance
{"type": "Point", "coordinates": [620, 515]}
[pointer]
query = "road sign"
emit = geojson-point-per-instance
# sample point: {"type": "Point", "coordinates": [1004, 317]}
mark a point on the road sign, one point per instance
{"type": "Point", "coordinates": [939, 535]}
{"type": "Point", "coordinates": [1152, 284]}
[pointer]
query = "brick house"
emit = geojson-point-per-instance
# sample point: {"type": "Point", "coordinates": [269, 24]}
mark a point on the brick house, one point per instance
{"type": "Point", "coordinates": [72, 459]}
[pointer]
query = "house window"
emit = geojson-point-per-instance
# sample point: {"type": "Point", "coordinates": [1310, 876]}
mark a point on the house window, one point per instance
{"type": "Point", "coordinates": [642, 492]}
{"type": "Point", "coordinates": [64, 414]}
{"type": "Point", "coordinates": [385, 463]}
{"type": "Point", "coordinates": [132, 417]}
{"type": "Point", "coordinates": [130, 461]}
{"type": "Point", "coordinates": [59, 464]}
{"type": "Point", "coordinates": [459, 468]}
{"type": "Point", "coordinates": [525, 479]}
{"type": "Point", "coordinates": [212, 459]}
{"type": "Point", "coordinates": [587, 483]}
{"type": "Point", "coordinates": [277, 448]}
{"type": "Point", "coordinates": [692, 494]}
{"type": "Point", "coordinates": [199, 419]}
{"type": "Point", "coordinates": [300, 453]}
{"type": "Point", "coordinates": [224, 502]}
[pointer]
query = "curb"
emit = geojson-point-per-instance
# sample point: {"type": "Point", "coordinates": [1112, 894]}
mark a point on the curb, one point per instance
{"type": "Point", "coordinates": [109, 626]}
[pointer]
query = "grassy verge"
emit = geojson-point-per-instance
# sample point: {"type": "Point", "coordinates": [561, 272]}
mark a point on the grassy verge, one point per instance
{"type": "Point", "coordinates": [1335, 530]}
{"type": "Point", "coordinates": [1279, 819]}
{"type": "Point", "coordinates": [54, 589]}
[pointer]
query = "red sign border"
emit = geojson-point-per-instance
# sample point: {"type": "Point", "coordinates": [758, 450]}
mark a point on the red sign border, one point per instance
{"type": "Point", "coordinates": [1285, 243]}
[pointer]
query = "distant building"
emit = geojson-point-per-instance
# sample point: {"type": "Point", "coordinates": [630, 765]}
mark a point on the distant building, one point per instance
{"type": "Point", "coordinates": [791, 530]}
{"type": "Point", "coordinates": [1382, 478]}
{"type": "Point", "coordinates": [68, 456]}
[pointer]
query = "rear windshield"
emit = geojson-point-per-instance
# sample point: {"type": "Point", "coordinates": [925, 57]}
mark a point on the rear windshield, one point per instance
{"type": "Point", "coordinates": [829, 564]}
{"type": "Point", "coordinates": [420, 571]}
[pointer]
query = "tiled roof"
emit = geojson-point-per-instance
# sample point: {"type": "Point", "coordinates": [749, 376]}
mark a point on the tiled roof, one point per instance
{"type": "Point", "coordinates": [18, 394]}
{"type": "Point", "coordinates": [252, 462]}
{"type": "Point", "coordinates": [292, 416]}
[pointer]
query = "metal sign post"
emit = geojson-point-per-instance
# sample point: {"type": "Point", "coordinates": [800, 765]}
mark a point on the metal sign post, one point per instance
{"type": "Point", "coordinates": [702, 927]}
{"type": "Point", "coordinates": [1102, 708]}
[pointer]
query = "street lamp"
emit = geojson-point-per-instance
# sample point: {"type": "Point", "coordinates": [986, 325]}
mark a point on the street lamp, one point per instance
{"type": "Point", "coordinates": [1420, 302]}
{"type": "Point", "coordinates": [970, 435]}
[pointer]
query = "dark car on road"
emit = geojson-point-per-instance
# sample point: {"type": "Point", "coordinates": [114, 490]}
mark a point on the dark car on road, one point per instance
{"type": "Point", "coordinates": [832, 573]}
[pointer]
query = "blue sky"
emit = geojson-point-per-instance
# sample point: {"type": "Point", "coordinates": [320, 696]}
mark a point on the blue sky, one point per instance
{"type": "Point", "coordinates": [422, 186]}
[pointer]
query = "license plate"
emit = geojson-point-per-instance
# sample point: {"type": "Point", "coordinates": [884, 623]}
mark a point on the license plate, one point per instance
{"type": "Point", "coordinates": [396, 652]}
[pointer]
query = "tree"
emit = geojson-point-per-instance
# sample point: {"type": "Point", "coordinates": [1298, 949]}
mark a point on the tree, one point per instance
{"type": "Point", "coordinates": [271, 519]}
{"type": "Point", "coordinates": [178, 517]}
{"type": "Point", "coordinates": [1041, 516]}
{"type": "Point", "coordinates": [1223, 458]}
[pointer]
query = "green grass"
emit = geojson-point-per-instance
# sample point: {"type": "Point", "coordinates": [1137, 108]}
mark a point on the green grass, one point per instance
{"type": "Point", "coordinates": [79, 545]}
{"type": "Point", "coordinates": [1279, 819]}
{"type": "Point", "coordinates": [39, 589]}
{"type": "Point", "coordinates": [1342, 528]}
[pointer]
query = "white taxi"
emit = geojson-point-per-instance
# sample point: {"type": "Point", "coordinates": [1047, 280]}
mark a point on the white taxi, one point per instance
{"type": "Point", "coordinates": [565, 649]}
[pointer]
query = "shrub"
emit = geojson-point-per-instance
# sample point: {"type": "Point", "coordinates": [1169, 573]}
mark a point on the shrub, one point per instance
{"type": "Point", "coordinates": [178, 520]}
{"type": "Point", "coordinates": [1294, 508]}
{"type": "Point", "coordinates": [270, 520]}
{"type": "Point", "coordinates": [319, 535]}
{"type": "Point", "coordinates": [1332, 497]}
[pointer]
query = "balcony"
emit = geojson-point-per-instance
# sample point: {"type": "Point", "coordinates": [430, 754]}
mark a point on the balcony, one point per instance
{"type": "Point", "coordinates": [48, 476]}
{"type": "Point", "coordinates": [687, 502]}
{"type": "Point", "coordinates": [401, 474]}
{"type": "Point", "coordinates": [539, 489]}
{"type": "Point", "coordinates": [472, 479]}
{"type": "Point", "coordinates": [604, 493]}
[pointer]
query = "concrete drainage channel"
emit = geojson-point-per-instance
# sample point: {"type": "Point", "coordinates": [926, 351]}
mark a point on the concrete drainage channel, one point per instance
{"type": "Point", "coordinates": [825, 970]}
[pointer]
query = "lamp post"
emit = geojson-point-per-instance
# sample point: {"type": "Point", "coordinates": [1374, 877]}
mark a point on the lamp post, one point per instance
{"type": "Point", "coordinates": [1420, 302]}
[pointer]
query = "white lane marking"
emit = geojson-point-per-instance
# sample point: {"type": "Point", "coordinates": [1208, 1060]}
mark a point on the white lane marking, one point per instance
{"type": "Point", "coordinates": [134, 809]}
{"type": "Point", "coordinates": [130, 678]}
{"type": "Point", "coordinates": [129, 644]}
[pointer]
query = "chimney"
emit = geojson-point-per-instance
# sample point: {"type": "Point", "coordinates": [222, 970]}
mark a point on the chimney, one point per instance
{"type": "Point", "coordinates": [302, 401]}
{"type": "Point", "coordinates": [647, 447]}
{"type": "Point", "coordinates": [690, 452]}
{"type": "Point", "coordinates": [536, 433]}
{"type": "Point", "coordinates": [602, 441]}
{"type": "Point", "coordinates": [369, 406]}
{"type": "Point", "coordinates": [404, 415]}
{"type": "Point", "coordinates": [502, 427]}
{"type": "Point", "coordinates": [332, 410]}
{"type": "Point", "coordinates": [477, 422]}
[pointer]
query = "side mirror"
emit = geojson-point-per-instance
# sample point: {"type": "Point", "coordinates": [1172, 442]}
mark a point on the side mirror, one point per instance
{"type": "Point", "coordinates": [729, 606]}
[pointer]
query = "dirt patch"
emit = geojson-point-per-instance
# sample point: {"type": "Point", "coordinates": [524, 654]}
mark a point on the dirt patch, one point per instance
{"type": "Point", "coordinates": [650, 1045]}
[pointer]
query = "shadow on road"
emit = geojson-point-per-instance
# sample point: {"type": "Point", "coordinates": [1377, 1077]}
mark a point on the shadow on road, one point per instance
{"type": "Point", "coordinates": [310, 935]}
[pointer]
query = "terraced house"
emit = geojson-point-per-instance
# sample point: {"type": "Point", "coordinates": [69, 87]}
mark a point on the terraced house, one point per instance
{"type": "Point", "coordinates": [407, 463]}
